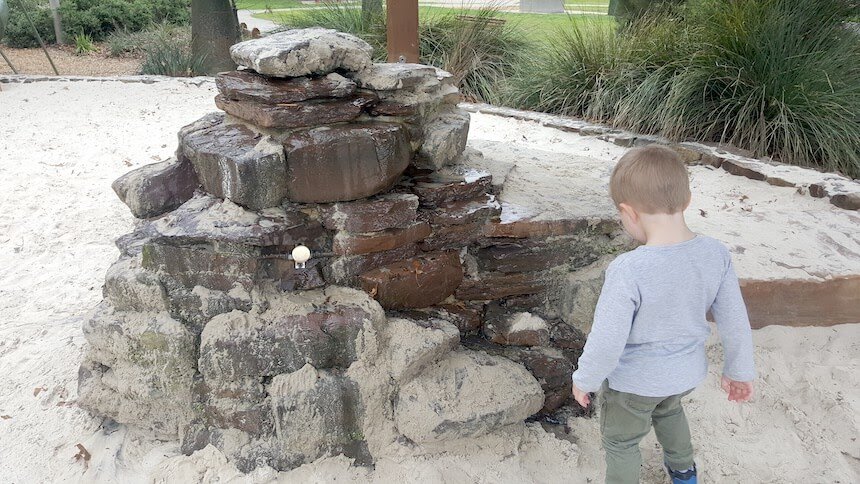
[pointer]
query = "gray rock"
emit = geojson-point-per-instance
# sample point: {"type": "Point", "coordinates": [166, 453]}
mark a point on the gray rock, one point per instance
{"type": "Point", "coordinates": [323, 328]}
{"type": "Point", "coordinates": [131, 288]}
{"type": "Point", "coordinates": [154, 189]}
{"type": "Point", "coordinates": [303, 52]}
{"type": "Point", "coordinates": [517, 329]}
{"type": "Point", "coordinates": [578, 292]}
{"type": "Point", "coordinates": [250, 86]}
{"type": "Point", "coordinates": [467, 394]}
{"type": "Point", "coordinates": [411, 346]}
{"type": "Point", "coordinates": [316, 413]}
{"type": "Point", "coordinates": [394, 75]}
{"type": "Point", "coordinates": [233, 161]}
{"type": "Point", "coordinates": [444, 139]}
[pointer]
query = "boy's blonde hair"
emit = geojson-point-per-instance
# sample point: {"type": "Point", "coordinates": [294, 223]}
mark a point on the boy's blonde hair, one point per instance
{"type": "Point", "coordinates": [652, 179]}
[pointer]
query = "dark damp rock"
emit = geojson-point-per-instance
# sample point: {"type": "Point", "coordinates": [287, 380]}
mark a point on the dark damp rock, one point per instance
{"type": "Point", "coordinates": [302, 52]}
{"type": "Point", "coordinates": [466, 316]}
{"type": "Point", "coordinates": [498, 285]}
{"type": "Point", "coordinates": [528, 255]}
{"type": "Point", "coordinates": [195, 306]}
{"type": "Point", "coordinates": [296, 115]}
{"type": "Point", "coordinates": [345, 270]}
{"type": "Point", "coordinates": [316, 413]}
{"type": "Point", "coordinates": [444, 139]}
{"type": "Point", "coordinates": [740, 168]}
{"type": "Point", "coordinates": [415, 283]}
{"type": "Point", "coordinates": [566, 337]}
{"type": "Point", "coordinates": [234, 162]}
{"type": "Point", "coordinates": [516, 329]}
{"type": "Point", "coordinates": [389, 211]}
{"type": "Point", "coordinates": [347, 243]}
{"type": "Point", "coordinates": [453, 236]}
{"type": "Point", "coordinates": [249, 86]}
{"type": "Point", "coordinates": [131, 244]}
{"type": "Point", "coordinates": [154, 189]}
{"type": "Point", "coordinates": [240, 404]}
{"type": "Point", "coordinates": [437, 405]}
{"type": "Point", "coordinates": [450, 186]}
{"type": "Point", "coordinates": [317, 327]}
{"type": "Point", "coordinates": [347, 162]}
{"type": "Point", "coordinates": [201, 266]}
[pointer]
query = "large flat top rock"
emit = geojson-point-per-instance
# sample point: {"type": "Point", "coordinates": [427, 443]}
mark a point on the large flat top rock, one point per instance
{"type": "Point", "coordinates": [303, 52]}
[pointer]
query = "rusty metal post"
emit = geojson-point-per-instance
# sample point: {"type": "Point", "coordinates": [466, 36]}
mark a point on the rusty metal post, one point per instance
{"type": "Point", "coordinates": [402, 25]}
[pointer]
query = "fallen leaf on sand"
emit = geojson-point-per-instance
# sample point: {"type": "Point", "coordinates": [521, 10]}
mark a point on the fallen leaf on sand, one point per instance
{"type": "Point", "coordinates": [38, 390]}
{"type": "Point", "coordinates": [83, 454]}
{"type": "Point", "coordinates": [703, 213]}
{"type": "Point", "coordinates": [5, 417]}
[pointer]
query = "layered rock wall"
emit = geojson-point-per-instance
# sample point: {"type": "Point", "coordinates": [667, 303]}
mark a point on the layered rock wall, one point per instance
{"type": "Point", "coordinates": [424, 312]}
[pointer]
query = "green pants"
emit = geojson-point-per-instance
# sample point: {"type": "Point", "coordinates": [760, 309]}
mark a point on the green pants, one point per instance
{"type": "Point", "coordinates": [626, 418]}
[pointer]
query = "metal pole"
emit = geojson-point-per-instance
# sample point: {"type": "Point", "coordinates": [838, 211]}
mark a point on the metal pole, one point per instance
{"type": "Point", "coordinates": [402, 30]}
{"type": "Point", "coordinates": [38, 37]}
{"type": "Point", "coordinates": [58, 27]}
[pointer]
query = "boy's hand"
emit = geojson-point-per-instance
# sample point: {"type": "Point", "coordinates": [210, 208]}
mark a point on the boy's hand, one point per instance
{"type": "Point", "coordinates": [739, 391]}
{"type": "Point", "coordinates": [581, 396]}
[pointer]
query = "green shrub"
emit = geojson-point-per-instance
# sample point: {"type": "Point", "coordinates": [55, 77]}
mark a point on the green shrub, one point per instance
{"type": "Point", "coordinates": [168, 53]}
{"type": "Point", "coordinates": [19, 33]}
{"type": "Point", "coordinates": [98, 18]}
{"type": "Point", "coordinates": [777, 77]}
{"type": "Point", "coordinates": [480, 51]}
{"type": "Point", "coordinates": [84, 44]}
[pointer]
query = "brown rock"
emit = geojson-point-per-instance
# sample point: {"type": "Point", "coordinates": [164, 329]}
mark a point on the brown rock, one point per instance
{"type": "Point", "coordinates": [565, 336]}
{"type": "Point", "coordinates": [497, 285]}
{"type": "Point", "coordinates": [446, 187]}
{"type": "Point", "coordinates": [517, 329]}
{"type": "Point", "coordinates": [740, 168]}
{"type": "Point", "coordinates": [802, 302]}
{"type": "Point", "coordinates": [453, 236]}
{"type": "Point", "coordinates": [234, 162]}
{"type": "Point", "coordinates": [817, 190]}
{"type": "Point", "coordinates": [394, 210]}
{"type": "Point", "coordinates": [247, 85]}
{"type": "Point", "coordinates": [466, 316]}
{"type": "Point", "coordinates": [152, 190]}
{"type": "Point", "coordinates": [393, 108]}
{"type": "Point", "coordinates": [415, 283]}
{"type": "Point", "coordinates": [347, 243]}
{"type": "Point", "coordinates": [530, 228]}
{"type": "Point", "coordinates": [553, 370]}
{"type": "Point", "coordinates": [848, 201]}
{"type": "Point", "coordinates": [341, 163]}
{"type": "Point", "coordinates": [296, 115]}
{"type": "Point", "coordinates": [466, 212]}
{"type": "Point", "coordinates": [713, 160]}
{"type": "Point", "coordinates": [345, 270]}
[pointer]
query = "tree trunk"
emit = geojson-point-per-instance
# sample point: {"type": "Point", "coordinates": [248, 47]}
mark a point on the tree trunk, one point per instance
{"type": "Point", "coordinates": [214, 28]}
{"type": "Point", "coordinates": [58, 26]}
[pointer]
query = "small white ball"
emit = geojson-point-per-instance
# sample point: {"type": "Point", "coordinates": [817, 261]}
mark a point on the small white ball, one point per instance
{"type": "Point", "coordinates": [301, 254]}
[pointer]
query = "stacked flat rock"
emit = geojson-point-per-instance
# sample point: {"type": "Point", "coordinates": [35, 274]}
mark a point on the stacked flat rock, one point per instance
{"type": "Point", "coordinates": [416, 293]}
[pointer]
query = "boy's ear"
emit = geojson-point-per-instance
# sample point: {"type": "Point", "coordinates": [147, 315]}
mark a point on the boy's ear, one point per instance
{"type": "Point", "coordinates": [629, 211]}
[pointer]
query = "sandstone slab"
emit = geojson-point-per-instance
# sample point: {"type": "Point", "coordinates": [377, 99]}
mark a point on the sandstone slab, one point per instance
{"type": "Point", "coordinates": [388, 211]}
{"type": "Point", "coordinates": [467, 394]}
{"type": "Point", "coordinates": [415, 283]}
{"type": "Point", "coordinates": [302, 52]}
{"type": "Point", "coordinates": [316, 327]}
{"type": "Point", "coordinates": [154, 189]}
{"type": "Point", "coordinates": [249, 86]}
{"type": "Point", "coordinates": [466, 212]}
{"type": "Point", "coordinates": [526, 255]}
{"type": "Point", "coordinates": [517, 329]}
{"type": "Point", "coordinates": [391, 76]}
{"type": "Point", "coordinates": [347, 243]}
{"type": "Point", "coordinates": [497, 285]}
{"type": "Point", "coordinates": [347, 162]}
{"type": "Point", "coordinates": [234, 162]}
{"type": "Point", "coordinates": [345, 270]}
{"type": "Point", "coordinates": [453, 236]}
{"type": "Point", "coordinates": [444, 139]}
{"type": "Point", "coordinates": [578, 292]}
{"type": "Point", "coordinates": [298, 114]}
{"type": "Point", "coordinates": [450, 186]}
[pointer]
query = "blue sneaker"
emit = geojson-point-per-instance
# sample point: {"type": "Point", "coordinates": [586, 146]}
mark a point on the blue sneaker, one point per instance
{"type": "Point", "coordinates": [682, 477]}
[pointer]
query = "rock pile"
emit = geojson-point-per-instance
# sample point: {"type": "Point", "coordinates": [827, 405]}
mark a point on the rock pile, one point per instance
{"type": "Point", "coordinates": [423, 312]}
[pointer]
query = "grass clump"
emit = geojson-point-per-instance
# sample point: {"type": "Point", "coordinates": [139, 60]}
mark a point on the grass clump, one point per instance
{"type": "Point", "coordinates": [84, 44]}
{"type": "Point", "coordinates": [777, 77]}
{"type": "Point", "coordinates": [481, 49]}
{"type": "Point", "coordinates": [167, 52]}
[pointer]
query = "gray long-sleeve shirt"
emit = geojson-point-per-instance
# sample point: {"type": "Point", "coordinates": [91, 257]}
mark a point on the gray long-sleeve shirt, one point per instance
{"type": "Point", "coordinates": [650, 326]}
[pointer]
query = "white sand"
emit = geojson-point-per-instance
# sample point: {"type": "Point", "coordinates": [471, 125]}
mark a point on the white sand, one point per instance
{"type": "Point", "coordinates": [61, 144]}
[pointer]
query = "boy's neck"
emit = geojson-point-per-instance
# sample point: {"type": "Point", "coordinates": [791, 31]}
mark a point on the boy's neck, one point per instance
{"type": "Point", "coordinates": [665, 229]}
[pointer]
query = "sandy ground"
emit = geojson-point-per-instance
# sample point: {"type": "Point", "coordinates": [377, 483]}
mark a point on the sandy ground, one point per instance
{"type": "Point", "coordinates": [33, 61]}
{"type": "Point", "coordinates": [61, 144]}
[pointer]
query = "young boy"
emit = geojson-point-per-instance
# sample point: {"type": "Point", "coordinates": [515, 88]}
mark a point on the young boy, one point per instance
{"type": "Point", "coordinates": [646, 349]}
